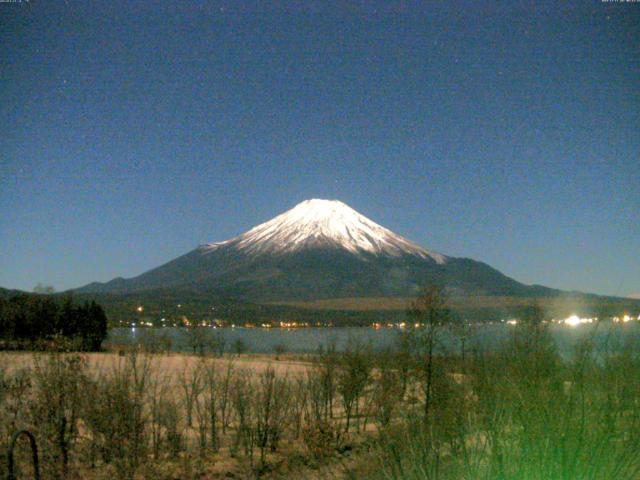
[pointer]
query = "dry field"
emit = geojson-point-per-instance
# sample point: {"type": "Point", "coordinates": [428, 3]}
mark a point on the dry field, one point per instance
{"type": "Point", "coordinates": [179, 416]}
{"type": "Point", "coordinates": [173, 364]}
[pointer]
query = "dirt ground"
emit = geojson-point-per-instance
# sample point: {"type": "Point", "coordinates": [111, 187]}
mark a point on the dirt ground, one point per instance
{"type": "Point", "coordinates": [173, 363]}
{"type": "Point", "coordinates": [291, 461]}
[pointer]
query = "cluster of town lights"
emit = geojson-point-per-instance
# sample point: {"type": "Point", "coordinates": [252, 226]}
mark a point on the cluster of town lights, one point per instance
{"type": "Point", "coordinates": [572, 321]}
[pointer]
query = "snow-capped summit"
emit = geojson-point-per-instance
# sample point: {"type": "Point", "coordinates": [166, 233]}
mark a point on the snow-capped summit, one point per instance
{"type": "Point", "coordinates": [331, 223]}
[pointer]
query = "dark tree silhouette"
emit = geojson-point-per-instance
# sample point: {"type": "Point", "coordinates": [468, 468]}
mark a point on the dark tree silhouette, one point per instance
{"type": "Point", "coordinates": [25, 319]}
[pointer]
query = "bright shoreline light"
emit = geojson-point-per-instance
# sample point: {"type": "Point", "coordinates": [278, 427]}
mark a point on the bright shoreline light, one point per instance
{"type": "Point", "coordinates": [575, 320]}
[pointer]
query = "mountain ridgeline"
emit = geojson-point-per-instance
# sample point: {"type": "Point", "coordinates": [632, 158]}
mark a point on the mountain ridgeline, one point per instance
{"type": "Point", "coordinates": [320, 249]}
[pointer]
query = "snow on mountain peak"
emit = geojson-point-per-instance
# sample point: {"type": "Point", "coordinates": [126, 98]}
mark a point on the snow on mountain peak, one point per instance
{"type": "Point", "coordinates": [325, 222]}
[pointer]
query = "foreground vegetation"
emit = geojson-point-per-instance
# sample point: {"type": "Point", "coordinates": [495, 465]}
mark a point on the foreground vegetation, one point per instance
{"type": "Point", "coordinates": [416, 411]}
{"type": "Point", "coordinates": [522, 413]}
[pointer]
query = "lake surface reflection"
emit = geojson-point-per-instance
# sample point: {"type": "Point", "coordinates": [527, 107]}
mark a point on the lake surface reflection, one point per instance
{"type": "Point", "coordinates": [608, 335]}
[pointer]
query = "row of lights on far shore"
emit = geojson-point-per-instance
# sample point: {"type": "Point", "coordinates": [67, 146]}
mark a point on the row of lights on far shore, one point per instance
{"type": "Point", "coordinates": [216, 323]}
{"type": "Point", "coordinates": [575, 320]}
{"type": "Point", "coordinates": [572, 320]}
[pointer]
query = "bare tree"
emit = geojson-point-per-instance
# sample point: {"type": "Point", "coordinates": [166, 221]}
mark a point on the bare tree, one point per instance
{"type": "Point", "coordinates": [198, 338]}
{"type": "Point", "coordinates": [241, 393]}
{"type": "Point", "coordinates": [224, 395]}
{"type": "Point", "coordinates": [353, 375]}
{"type": "Point", "coordinates": [59, 380]}
{"type": "Point", "coordinates": [211, 393]}
{"type": "Point", "coordinates": [430, 313]}
{"type": "Point", "coordinates": [325, 367]}
{"type": "Point", "coordinates": [270, 405]}
{"type": "Point", "coordinates": [192, 386]}
{"type": "Point", "coordinates": [157, 391]}
{"type": "Point", "coordinates": [387, 391]}
{"type": "Point", "coordinates": [299, 399]}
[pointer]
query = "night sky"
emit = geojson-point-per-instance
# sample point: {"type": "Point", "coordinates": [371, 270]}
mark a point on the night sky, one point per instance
{"type": "Point", "coordinates": [508, 132]}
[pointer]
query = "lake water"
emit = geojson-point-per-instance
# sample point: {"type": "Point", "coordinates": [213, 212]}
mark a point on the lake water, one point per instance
{"type": "Point", "coordinates": [263, 340]}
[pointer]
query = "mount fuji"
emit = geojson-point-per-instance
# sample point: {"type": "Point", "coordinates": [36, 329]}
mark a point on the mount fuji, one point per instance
{"type": "Point", "coordinates": [320, 249]}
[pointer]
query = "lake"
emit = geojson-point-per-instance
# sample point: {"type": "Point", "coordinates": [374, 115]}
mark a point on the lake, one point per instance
{"type": "Point", "coordinates": [267, 340]}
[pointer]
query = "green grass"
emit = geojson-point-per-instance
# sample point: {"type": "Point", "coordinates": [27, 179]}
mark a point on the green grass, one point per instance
{"type": "Point", "coordinates": [523, 414]}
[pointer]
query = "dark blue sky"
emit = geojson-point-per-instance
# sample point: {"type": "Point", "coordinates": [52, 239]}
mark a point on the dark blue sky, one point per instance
{"type": "Point", "coordinates": [508, 132]}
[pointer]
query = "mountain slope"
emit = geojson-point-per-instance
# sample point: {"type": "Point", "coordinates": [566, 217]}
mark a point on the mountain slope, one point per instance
{"type": "Point", "coordinates": [318, 249]}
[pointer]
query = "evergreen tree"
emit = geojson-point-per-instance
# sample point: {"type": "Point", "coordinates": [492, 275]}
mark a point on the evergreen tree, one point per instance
{"type": "Point", "coordinates": [95, 327]}
{"type": "Point", "coordinates": [33, 317]}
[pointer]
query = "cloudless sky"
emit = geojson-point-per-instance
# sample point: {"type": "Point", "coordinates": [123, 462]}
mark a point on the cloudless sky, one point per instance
{"type": "Point", "coordinates": [508, 132]}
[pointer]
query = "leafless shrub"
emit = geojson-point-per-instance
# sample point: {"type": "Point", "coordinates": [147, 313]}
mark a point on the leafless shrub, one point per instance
{"type": "Point", "coordinates": [279, 349]}
{"type": "Point", "coordinates": [403, 359]}
{"type": "Point", "coordinates": [315, 404]}
{"type": "Point", "coordinates": [353, 375]}
{"type": "Point", "coordinates": [387, 391]}
{"type": "Point", "coordinates": [270, 402]}
{"type": "Point", "coordinates": [208, 418]}
{"type": "Point", "coordinates": [170, 421]}
{"type": "Point", "coordinates": [154, 341]}
{"type": "Point", "coordinates": [241, 399]}
{"type": "Point", "coordinates": [322, 438]}
{"type": "Point", "coordinates": [203, 419]}
{"type": "Point", "coordinates": [203, 340]}
{"type": "Point", "coordinates": [191, 383]}
{"type": "Point", "coordinates": [58, 383]}
{"type": "Point", "coordinates": [159, 390]}
{"type": "Point", "coordinates": [240, 346]}
{"type": "Point", "coordinates": [218, 343]}
{"type": "Point", "coordinates": [298, 405]}
{"type": "Point", "coordinates": [224, 395]}
{"type": "Point", "coordinates": [431, 312]}
{"type": "Point", "coordinates": [326, 366]}
{"type": "Point", "coordinates": [114, 414]}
